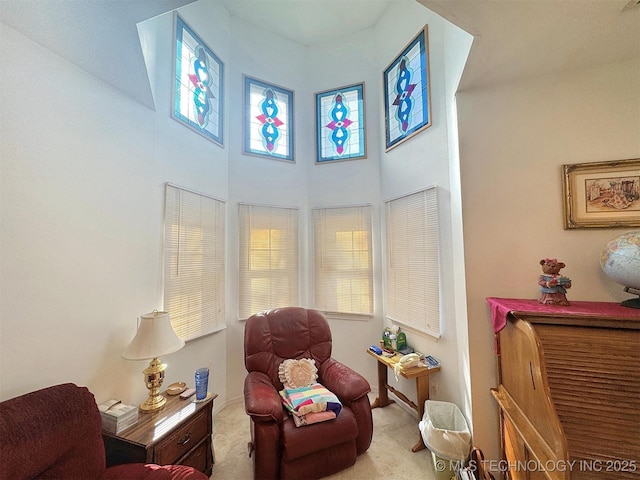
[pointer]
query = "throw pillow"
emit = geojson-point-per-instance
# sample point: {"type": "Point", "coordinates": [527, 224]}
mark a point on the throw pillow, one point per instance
{"type": "Point", "coordinates": [298, 373]}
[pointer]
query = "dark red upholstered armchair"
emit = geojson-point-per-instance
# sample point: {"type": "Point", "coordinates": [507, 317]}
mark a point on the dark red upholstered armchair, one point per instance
{"type": "Point", "coordinates": [280, 450]}
{"type": "Point", "coordinates": [56, 433]}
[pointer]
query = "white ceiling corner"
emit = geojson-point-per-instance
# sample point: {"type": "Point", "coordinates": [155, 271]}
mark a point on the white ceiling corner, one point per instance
{"type": "Point", "coordinates": [308, 22]}
{"type": "Point", "coordinates": [513, 39]}
{"type": "Point", "coordinates": [522, 39]}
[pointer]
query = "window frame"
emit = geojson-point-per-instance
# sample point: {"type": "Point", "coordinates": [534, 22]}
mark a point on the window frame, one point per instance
{"type": "Point", "coordinates": [282, 282]}
{"type": "Point", "coordinates": [412, 282]}
{"type": "Point", "coordinates": [407, 85]}
{"type": "Point", "coordinates": [284, 119]}
{"type": "Point", "coordinates": [346, 117]}
{"type": "Point", "coordinates": [321, 216]}
{"type": "Point", "coordinates": [183, 292]}
{"type": "Point", "coordinates": [192, 87]}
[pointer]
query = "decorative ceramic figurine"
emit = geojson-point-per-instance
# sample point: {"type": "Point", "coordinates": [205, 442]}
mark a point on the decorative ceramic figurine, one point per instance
{"type": "Point", "coordinates": [553, 285]}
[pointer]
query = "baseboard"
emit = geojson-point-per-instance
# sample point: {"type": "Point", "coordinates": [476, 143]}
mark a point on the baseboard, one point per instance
{"type": "Point", "coordinates": [228, 402]}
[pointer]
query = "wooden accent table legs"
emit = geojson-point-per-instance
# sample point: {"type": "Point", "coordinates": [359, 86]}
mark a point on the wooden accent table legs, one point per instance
{"type": "Point", "coordinates": [383, 398]}
{"type": "Point", "coordinates": [421, 374]}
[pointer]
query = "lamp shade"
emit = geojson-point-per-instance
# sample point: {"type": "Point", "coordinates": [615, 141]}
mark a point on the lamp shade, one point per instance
{"type": "Point", "coordinates": [155, 337]}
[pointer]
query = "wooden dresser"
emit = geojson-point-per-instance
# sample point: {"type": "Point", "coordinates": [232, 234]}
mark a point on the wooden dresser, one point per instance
{"type": "Point", "coordinates": [180, 433]}
{"type": "Point", "coordinates": [568, 389]}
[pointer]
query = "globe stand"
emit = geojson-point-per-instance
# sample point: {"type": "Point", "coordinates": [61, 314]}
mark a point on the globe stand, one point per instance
{"type": "Point", "coordinates": [632, 302]}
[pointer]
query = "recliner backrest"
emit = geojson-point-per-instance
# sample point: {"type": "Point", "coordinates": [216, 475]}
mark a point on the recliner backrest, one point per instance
{"type": "Point", "coordinates": [272, 336]}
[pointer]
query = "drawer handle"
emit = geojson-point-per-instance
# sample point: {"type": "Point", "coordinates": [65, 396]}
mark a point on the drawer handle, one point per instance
{"type": "Point", "coordinates": [184, 439]}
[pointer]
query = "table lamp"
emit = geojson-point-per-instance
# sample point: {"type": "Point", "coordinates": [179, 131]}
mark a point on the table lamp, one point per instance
{"type": "Point", "coordinates": [155, 337]}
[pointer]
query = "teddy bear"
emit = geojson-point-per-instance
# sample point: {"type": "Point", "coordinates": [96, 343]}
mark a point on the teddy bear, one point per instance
{"type": "Point", "coordinates": [553, 285]}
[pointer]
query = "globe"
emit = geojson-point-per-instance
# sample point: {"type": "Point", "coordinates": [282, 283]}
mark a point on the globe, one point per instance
{"type": "Point", "coordinates": [620, 261]}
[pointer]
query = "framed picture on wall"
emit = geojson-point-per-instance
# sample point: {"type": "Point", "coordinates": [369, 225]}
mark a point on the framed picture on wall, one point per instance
{"type": "Point", "coordinates": [340, 128]}
{"type": "Point", "coordinates": [197, 84]}
{"type": "Point", "coordinates": [407, 102]}
{"type": "Point", "coordinates": [268, 120]}
{"type": "Point", "coordinates": [602, 194]}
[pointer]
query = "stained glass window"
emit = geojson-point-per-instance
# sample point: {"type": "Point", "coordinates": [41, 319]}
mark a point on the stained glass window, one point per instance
{"type": "Point", "coordinates": [340, 132]}
{"type": "Point", "coordinates": [268, 123]}
{"type": "Point", "coordinates": [406, 92]}
{"type": "Point", "coordinates": [197, 86]}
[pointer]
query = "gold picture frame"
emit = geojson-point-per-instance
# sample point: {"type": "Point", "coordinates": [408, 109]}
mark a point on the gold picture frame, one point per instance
{"type": "Point", "coordinates": [602, 194]}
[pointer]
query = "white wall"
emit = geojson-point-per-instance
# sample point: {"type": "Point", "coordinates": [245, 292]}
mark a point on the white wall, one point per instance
{"type": "Point", "coordinates": [262, 180]}
{"type": "Point", "coordinates": [428, 159]}
{"type": "Point", "coordinates": [339, 62]}
{"type": "Point", "coordinates": [457, 45]}
{"type": "Point", "coordinates": [83, 169]}
{"type": "Point", "coordinates": [513, 140]}
{"type": "Point", "coordinates": [354, 58]}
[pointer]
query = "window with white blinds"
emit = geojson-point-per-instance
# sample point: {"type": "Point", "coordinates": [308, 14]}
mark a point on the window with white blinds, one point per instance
{"type": "Point", "coordinates": [413, 261]}
{"type": "Point", "coordinates": [269, 268]}
{"type": "Point", "coordinates": [343, 260]}
{"type": "Point", "coordinates": [194, 262]}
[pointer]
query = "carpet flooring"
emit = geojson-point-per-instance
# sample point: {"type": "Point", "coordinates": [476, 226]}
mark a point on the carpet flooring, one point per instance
{"type": "Point", "coordinates": [395, 431]}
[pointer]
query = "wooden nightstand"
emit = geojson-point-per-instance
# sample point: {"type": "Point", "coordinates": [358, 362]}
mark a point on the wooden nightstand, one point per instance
{"type": "Point", "coordinates": [179, 434]}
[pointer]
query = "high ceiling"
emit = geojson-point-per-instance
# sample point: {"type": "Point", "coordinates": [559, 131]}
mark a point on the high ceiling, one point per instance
{"type": "Point", "coordinates": [517, 39]}
{"type": "Point", "coordinates": [310, 21]}
{"type": "Point", "coordinates": [99, 36]}
{"type": "Point", "coordinates": [513, 38]}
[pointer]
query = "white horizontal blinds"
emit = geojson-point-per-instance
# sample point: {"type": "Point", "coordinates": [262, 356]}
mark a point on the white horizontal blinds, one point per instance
{"type": "Point", "coordinates": [194, 262]}
{"type": "Point", "coordinates": [343, 260]}
{"type": "Point", "coordinates": [413, 261]}
{"type": "Point", "coordinates": [268, 258]}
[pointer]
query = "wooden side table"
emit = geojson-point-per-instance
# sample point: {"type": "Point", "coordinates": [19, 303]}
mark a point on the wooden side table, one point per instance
{"type": "Point", "coordinates": [421, 374]}
{"type": "Point", "coordinates": [179, 434]}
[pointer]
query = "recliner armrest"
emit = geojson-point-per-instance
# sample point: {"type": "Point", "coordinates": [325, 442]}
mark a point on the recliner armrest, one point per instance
{"type": "Point", "coordinates": [261, 399]}
{"type": "Point", "coordinates": [346, 383]}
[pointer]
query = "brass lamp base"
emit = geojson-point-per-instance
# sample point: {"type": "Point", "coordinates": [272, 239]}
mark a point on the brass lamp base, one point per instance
{"type": "Point", "coordinates": [153, 377]}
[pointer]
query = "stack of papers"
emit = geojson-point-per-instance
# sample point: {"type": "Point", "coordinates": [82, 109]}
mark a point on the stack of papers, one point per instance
{"type": "Point", "coordinates": [116, 416]}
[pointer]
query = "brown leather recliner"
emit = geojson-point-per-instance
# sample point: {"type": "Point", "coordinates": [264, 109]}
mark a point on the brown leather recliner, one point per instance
{"type": "Point", "coordinates": [280, 450]}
